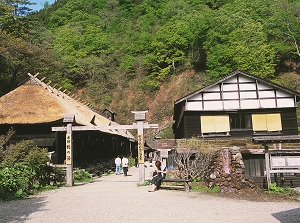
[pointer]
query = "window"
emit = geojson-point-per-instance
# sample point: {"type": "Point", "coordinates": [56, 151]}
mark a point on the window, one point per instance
{"type": "Point", "coordinates": [266, 122]}
{"type": "Point", "coordinates": [215, 124]}
{"type": "Point", "coordinates": [240, 121]}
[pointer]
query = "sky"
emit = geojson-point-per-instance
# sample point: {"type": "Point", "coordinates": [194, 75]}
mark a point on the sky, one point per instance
{"type": "Point", "coordinates": [40, 4]}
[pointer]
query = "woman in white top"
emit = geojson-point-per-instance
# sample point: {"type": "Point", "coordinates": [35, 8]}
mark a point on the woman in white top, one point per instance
{"type": "Point", "coordinates": [125, 165]}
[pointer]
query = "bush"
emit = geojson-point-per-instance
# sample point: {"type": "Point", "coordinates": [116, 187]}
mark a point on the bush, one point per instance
{"type": "Point", "coordinates": [274, 189]}
{"type": "Point", "coordinates": [81, 176]}
{"type": "Point", "coordinates": [27, 153]}
{"type": "Point", "coordinates": [202, 187]}
{"type": "Point", "coordinates": [23, 170]}
{"type": "Point", "coordinates": [131, 161]}
{"type": "Point", "coordinates": [194, 157]}
{"type": "Point", "coordinates": [15, 181]}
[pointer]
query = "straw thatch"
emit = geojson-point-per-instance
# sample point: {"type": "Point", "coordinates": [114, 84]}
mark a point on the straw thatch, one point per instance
{"type": "Point", "coordinates": [36, 102]}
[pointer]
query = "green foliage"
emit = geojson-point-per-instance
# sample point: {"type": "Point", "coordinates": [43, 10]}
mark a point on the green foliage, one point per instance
{"type": "Point", "coordinates": [274, 189]}
{"type": "Point", "coordinates": [198, 186]}
{"type": "Point", "coordinates": [146, 183]}
{"type": "Point", "coordinates": [25, 152]}
{"type": "Point", "coordinates": [149, 84]}
{"type": "Point", "coordinates": [131, 161]}
{"type": "Point", "coordinates": [166, 133]}
{"type": "Point", "coordinates": [15, 181]}
{"type": "Point", "coordinates": [23, 169]}
{"type": "Point", "coordinates": [106, 100]}
{"type": "Point", "coordinates": [106, 46]}
{"type": "Point", "coordinates": [81, 176]}
{"type": "Point", "coordinates": [239, 39]}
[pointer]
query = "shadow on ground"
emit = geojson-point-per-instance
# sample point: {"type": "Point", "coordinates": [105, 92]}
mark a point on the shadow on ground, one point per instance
{"type": "Point", "coordinates": [289, 216]}
{"type": "Point", "coordinates": [18, 211]}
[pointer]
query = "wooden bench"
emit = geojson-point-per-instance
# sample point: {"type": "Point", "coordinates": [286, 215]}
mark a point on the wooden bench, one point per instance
{"type": "Point", "coordinates": [184, 181]}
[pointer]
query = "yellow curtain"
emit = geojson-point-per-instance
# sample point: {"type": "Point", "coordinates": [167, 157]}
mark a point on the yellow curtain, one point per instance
{"type": "Point", "coordinates": [222, 123]}
{"type": "Point", "coordinates": [208, 124]}
{"type": "Point", "coordinates": [214, 124]}
{"type": "Point", "coordinates": [259, 122]}
{"type": "Point", "coordinates": [274, 122]}
{"type": "Point", "coordinates": [266, 122]}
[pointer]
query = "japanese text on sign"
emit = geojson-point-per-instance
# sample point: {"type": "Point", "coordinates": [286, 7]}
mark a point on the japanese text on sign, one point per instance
{"type": "Point", "coordinates": [68, 149]}
{"type": "Point", "coordinates": [140, 149]}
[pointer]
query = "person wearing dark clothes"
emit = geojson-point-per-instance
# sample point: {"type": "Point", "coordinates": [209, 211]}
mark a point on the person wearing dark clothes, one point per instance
{"type": "Point", "coordinates": [125, 165]}
{"type": "Point", "coordinates": [158, 176]}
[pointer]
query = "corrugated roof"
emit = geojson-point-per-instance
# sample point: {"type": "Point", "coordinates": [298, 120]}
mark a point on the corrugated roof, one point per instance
{"type": "Point", "coordinates": [36, 102]}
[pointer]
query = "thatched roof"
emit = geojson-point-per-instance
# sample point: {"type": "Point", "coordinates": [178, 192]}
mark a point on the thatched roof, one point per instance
{"type": "Point", "coordinates": [36, 102]}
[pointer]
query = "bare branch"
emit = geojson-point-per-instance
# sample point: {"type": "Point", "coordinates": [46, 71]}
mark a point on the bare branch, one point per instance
{"type": "Point", "coordinates": [3, 140]}
{"type": "Point", "coordinates": [193, 159]}
{"type": "Point", "coordinates": [294, 39]}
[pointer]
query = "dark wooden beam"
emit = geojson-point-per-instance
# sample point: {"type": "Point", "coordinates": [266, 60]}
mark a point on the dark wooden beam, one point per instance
{"type": "Point", "coordinates": [276, 139]}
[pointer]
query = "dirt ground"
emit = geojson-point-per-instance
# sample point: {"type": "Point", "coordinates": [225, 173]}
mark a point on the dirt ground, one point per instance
{"type": "Point", "coordinates": [114, 198]}
{"type": "Point", "coordinates": [259, 196]}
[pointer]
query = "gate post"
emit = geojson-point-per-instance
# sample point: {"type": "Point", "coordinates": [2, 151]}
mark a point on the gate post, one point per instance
{"type": "Point", "coordinates": [69, 150]}
{"type": "Point", "coordinates": [267, 159]}
{"type": "Point", "coordinates": [141, 156]}
{"type": "Point", "coordinates": [140, 117]}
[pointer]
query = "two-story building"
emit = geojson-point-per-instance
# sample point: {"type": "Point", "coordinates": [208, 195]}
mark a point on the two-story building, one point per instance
{"type": "Point", "coordinates": [239, 105]}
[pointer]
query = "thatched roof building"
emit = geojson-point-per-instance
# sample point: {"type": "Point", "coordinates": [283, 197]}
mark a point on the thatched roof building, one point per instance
{"type": "Point", "coordinates": [34, 107]}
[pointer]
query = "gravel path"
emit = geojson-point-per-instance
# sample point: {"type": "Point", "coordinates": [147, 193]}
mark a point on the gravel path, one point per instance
{"type": "Point", "coordinates": [116, 198]}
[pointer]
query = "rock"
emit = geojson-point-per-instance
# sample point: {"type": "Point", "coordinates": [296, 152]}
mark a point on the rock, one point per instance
{"type": "Point", "coordinates": [212, 176]}
{"type": "Point", "coordinates": [296, 190]}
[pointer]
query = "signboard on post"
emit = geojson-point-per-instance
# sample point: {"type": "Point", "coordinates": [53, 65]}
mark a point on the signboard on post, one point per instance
{"type": "Point", "coordinates": [69, 118]}
{"type": "Point", "coordinates": [139, 115]}
{"type": "Point", "coordinates": [141, 158]}
{"type": "Point", "coordinates": [68, 148]}
{"type": "Point", "coordinates": [285, 162]}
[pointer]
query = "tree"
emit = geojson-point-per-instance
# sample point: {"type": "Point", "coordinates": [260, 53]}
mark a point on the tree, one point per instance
{"type": "Point", "coordinates": [251, 51]}
{"type": "Point", "coordinates": [194, 158]}
{"type": "Point", "coordinates": [238, 39]}
{"type": "Point", "coordinates": [3, 140]}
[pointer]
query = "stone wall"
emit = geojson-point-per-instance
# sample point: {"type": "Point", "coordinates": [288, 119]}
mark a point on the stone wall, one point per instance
{"type": "Point", "coordinates": [228, 172]}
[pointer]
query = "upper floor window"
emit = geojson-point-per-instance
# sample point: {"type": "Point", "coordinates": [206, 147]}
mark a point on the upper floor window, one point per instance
{"type": "Point", "coordinates": [240, 121]}
{"type": "Point", "coordinates": [266, 122]}
{"type": "Point", "coordinates": [215, 124]}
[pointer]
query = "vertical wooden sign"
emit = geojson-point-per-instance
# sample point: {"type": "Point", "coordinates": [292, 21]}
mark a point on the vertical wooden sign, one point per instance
{"type": "Point", "coordinates": [69, 157]}
{"type": "Point", "coordinates": [68, 148]}
{"type": "Point", "coordinates": [141, 158]}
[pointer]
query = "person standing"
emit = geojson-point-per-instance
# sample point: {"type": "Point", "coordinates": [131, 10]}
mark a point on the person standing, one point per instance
{"type": "Point", "coordinates": [125, 165]}
{"type": "Point", "coordinates": [118, 164]}
{"type": "Point", "coordinates": [150, 157]}
{"type": "Point", "coordinates": [136, 162]}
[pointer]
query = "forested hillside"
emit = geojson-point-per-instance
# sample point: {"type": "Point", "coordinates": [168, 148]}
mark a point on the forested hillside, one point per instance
{"type": "Point", "coordinates": [142, 54]}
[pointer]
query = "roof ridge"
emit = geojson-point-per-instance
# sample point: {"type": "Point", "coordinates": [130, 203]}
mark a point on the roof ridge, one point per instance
{"type": "Point", "coordinates": [52, 89]}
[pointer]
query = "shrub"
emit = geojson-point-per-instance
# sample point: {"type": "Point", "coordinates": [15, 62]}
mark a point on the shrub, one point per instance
{"type": "Point", "coordinates": [131, 161]}
{"type": "Point", "coordinates": [15, 181]}
{"type": "Point", "coordinates": [27, 153]}
{"type": "Point", "coordinates": [81, 176]}
{"type": "Point", "coordinates": [279, 190]}
{"type": "Point", "coordinates": [202, 187]}
{"type": "Point", "coordinates": [194, 157]}
{"type": "Point", "coordinates": [23, 170]}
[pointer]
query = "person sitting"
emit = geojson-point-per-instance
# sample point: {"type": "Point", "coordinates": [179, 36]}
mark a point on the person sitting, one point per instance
{"type": "Point", "coordinates": [158, 176]}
